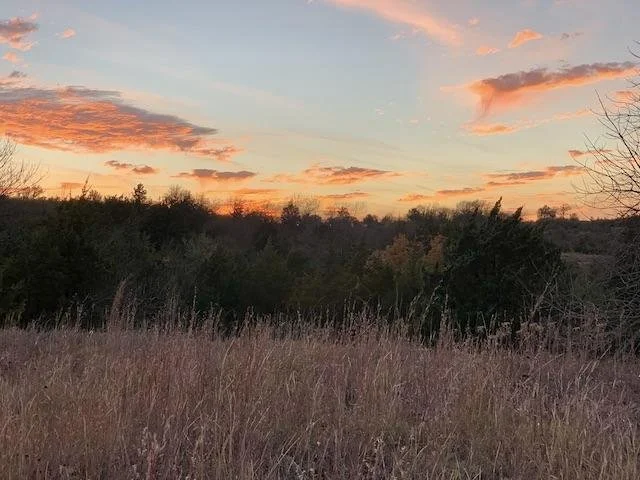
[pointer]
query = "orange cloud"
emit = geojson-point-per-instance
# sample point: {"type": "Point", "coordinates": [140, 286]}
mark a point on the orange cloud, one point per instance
{"type": "Point", "coordinates": [523, 37]}
{"type": "Point", "coordinates": [485, 50]}
{"type": "Point", "coordinates": [139, 169]}
{"type": "Point", "coordinates": [15, 32]}
{"type": "Point", "coordinates": [207, 175]}
{"type": "Point", "coordinates": [415, 197]}
{"type": "Point", "coordinates": [578, 153]}
{"type": "Point", "coordinates": [625, 96]}
{"type": "Point", "coordinates": [408, 13]}
{"type": "Point", "coordinates": [519, 178]}
{"type": "Point", "coordinates": [584, 153]}
{"type": "Point", "coordinates": [345, 196]}
{"type": "Point", "coordinates": [68, 33]}
{"type": "Point", "coordinates": [11, 57]}
{"type": "Point", "coordinates": [507, 90]}
{"type": "Point", "coordinates": [459, 192]}
{"type": "Point", "coordinates": [255, 191]}
{"type": "Point", "coordinates": [491, 129]}
{"type": "Point", "coordinates": [486, 129]}
{"type": "Point", "coordinates": [83, 120]}
{"type": "Point", "coordinates": [334, 175]}
{"type": "Point", "coordinates": [497, 180]}
{"type": "Point", "coordinates": [71, 185]}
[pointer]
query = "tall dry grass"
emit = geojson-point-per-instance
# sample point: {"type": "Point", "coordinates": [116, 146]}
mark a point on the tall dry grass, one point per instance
{"type": "Point", "coordinates": [126, 404]}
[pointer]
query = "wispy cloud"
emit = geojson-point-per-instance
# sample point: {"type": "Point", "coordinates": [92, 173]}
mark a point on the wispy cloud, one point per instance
{"type": "Point", "coordinates": [408, 13]}
{"type": "Point", "coordinates": [71, 185]}
{"type": "Point", "coordinates": [260, 192]}
{"type": "Point", "coordinates": [583, 153]}
{"type": "Point", "coordinates": [498, 180]}
{"type": "Point", "coordinates": [345, 196]}
{"type": "Point", "coordinates": [487, 129]}
{"type": "Point", "coordinates": [578, 153]}
{"type": "Point", "coordinates": [15, 32]}
{"type": "Point", "coordinates": [68, 33]}
{"type": "Point", "coordinates": [491, 129]}
{"type": "Point", "coordinates": [334, 175]}
{"type": "Point", "coordinates": [441, 194]}
{"type": "Point", "coordinates": [415, 197]}
{"type": "Point", "coordinates": [625, 96]}
{"type": "Point", "coordinates": [524, 36]}
{"type": "Point", "coordinates": [485, 50]}
{"type": "Point", "coordinates": [207, 175]}
{"type": "Point", "coordinates": [11, 57]}
{"type": "Point", "coordinates": [507, 90]}
{"type": "Point", "coordinates": [519, 178]}
{"type": "Point", "coordinates": [83, 120]}
{"type": "Point", "coordinates": [138, 169]}
{"type": "Point", "coordinates": [457, 192]}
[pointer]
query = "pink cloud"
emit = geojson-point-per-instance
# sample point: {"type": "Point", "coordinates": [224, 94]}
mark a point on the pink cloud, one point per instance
{"type": "Point", "coordinates": [485, 50]}
{"type": "Point", "coordinates": [138, 169]}
{"type": "Point", "coordinates": [206, 175]}
{"type": "Point", "coordinates": [523, 37]}
{"type": "Point", "coordinates": [346, 196]}
{"type": "Point", "coordinates": [11, 57]}
{"type": "Point", "coordinates": [334, 175]}
{"type": "Point", "coordinates": [79, 119]}
{"type": "Point", "coordinates": [518, 178]}
{"type": "Point", "coordinates": [408, 13]}
{"type": "Point", "coordinates": [68, 33]}
{"type": "Point", "coordinates": [492, 129]}
{"type": "Point", "coordinates": [15, 32]}
{"type": "Point", "coordinates": [441, 194]}
{"type": "Point", "coordinates": [509, 90]}
{"type": "Point", "coordinates": [487, 129]}
{"type": "Point", "coordinates": [625, 96]}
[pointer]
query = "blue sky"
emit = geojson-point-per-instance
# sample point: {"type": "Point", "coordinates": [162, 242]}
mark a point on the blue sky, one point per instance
{"type": "Point", "coordinates": [374, 102]}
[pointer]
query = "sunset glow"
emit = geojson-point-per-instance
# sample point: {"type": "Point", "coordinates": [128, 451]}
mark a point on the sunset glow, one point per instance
{"type": "Point", "coordinates": [388, 104]}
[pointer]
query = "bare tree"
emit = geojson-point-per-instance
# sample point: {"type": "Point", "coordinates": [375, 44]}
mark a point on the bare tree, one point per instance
{"type": "Point", "coordinates": [16, 178]}
{"type": "Point", "coordinates": [613, 183]}
{"type": "Point", "coordinates": [613, 161]}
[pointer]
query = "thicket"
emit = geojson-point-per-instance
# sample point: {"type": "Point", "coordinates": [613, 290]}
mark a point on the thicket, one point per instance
{"type": "Point", "coordinates": [475, 266]}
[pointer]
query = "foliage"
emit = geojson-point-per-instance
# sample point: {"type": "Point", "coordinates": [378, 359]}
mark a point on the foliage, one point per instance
{"type": "Point", "coordinates": [62, 254]}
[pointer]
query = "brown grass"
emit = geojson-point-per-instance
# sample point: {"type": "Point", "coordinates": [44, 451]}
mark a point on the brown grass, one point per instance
{"type": "Point", "coordinates": [125, 405]}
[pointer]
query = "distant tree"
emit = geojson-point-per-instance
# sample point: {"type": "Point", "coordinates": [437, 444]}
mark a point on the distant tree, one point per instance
{"type": "Point", "coordinates": [563, 210]}
{"type": "Point", "coordinates": [139, 194]}
{"type": "Point", "coordinates": [238, 208]}
{"type": "Point", "coordinates": [547, 213]}
{"type": "Point", "coordinates": [290, 215]}
{"type": "Point", "coordinates": [396, 274]}
{"type": "Point", "coordinates": [177, 195]}
{"type": "Point", "coordinates": [16, 177]}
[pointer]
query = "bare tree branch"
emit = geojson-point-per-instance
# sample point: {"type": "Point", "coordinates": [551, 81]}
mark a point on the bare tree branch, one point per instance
{"type": "Point", "coordinates": [17, 178]}
{"type": "Point", "coordinates": [613, 163]}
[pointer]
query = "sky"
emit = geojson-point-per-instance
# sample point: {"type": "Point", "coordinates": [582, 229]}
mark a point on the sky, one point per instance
{"type": "Point", "coordinates": [377, 105]}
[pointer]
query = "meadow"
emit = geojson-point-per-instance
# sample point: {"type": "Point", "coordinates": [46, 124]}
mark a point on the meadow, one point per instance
{"type": "Point", "coordinates": [275, 402]}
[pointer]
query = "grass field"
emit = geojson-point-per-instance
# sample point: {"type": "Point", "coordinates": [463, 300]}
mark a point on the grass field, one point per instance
{"type": "Point", "coordinates": [124, 405]}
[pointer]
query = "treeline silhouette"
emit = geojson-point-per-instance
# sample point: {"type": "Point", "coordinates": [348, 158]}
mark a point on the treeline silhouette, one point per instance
{"type": "Point", "coordinates": [474, 265]}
